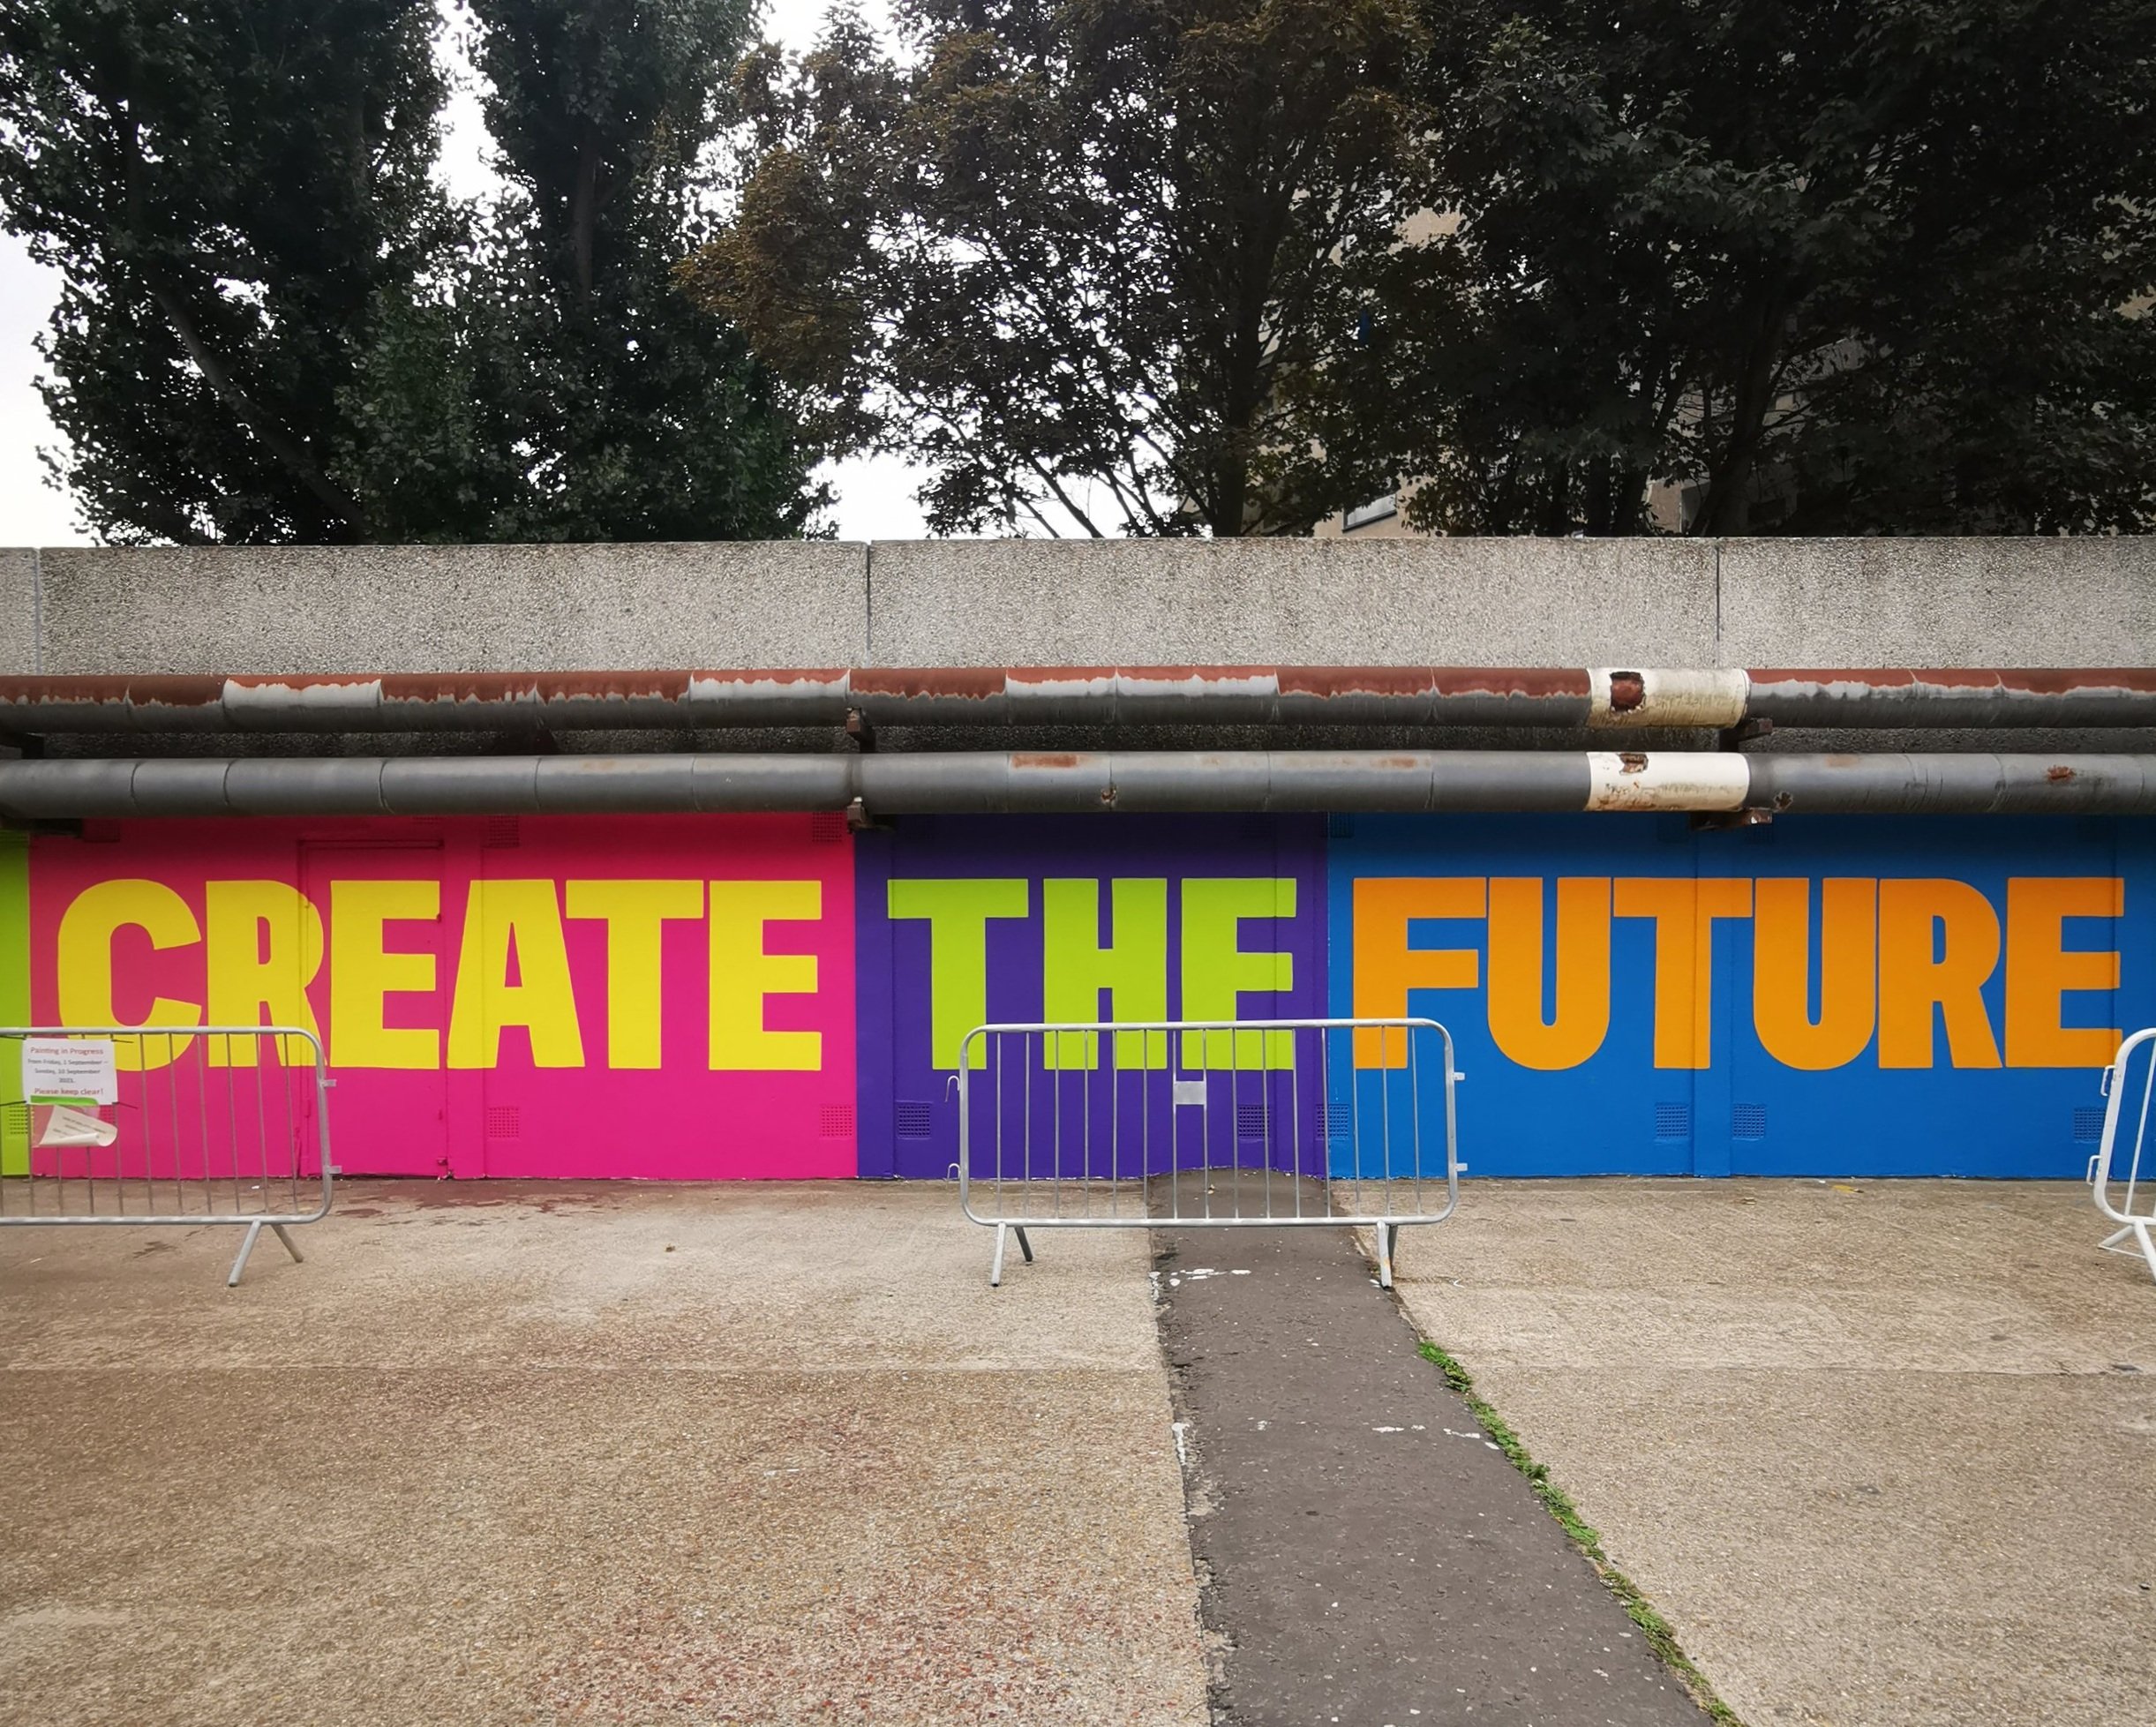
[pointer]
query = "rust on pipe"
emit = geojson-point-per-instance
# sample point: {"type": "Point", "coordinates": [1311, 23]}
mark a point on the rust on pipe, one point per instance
{"type": "Point", "coordinates": [688, 700]}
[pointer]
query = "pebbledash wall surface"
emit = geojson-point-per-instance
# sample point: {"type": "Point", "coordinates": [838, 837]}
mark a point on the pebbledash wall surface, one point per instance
{"type": "Point", "coordinates": [703, 996]}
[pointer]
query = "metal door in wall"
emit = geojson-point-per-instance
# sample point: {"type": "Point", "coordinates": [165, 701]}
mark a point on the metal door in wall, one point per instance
{"type": "Point", "coordinates": [383, 977]}
{"type": "Point", "coordinates": [1568, 955]}
{"type": "Point", "coordinates": [667, 997]}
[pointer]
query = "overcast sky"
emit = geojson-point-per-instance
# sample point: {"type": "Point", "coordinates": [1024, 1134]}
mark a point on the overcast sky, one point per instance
{"type": "Point", "coordinates": [875, 495]}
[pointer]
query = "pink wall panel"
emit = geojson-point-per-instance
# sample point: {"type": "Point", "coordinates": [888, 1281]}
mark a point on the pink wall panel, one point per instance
{"type": "Point", "coordinates": [668, 997]}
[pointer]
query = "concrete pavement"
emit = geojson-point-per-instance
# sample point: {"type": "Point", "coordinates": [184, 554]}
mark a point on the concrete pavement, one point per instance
{"type": "Point", "coordinates": [605, 1453]}
{"type": "Point", "coordinates": [1883, 1454]}
{"type": "Point", "coordinates": [1370, 1557]}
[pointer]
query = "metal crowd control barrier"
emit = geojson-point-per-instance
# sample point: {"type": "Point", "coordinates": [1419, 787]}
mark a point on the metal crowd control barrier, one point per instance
{"type": "Point", "coordinates": [1207, 1124]}
{"type": "Point", "coordinates": [2117, 1198]}
{"type": "Point", "coordinates": [204, 1124]}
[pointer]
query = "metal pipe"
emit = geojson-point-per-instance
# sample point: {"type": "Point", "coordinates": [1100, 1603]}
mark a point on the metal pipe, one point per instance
{"type": "Point", "coordinates": [1035, 781]}
{"type": "Point", "coordinates": [1077, 695]}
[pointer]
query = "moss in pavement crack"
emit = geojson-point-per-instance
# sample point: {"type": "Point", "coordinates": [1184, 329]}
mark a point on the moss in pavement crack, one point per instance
{"type": "Point", "coordinates": [1660, 1637]}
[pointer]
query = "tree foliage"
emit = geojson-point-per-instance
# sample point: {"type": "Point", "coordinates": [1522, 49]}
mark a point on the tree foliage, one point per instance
{"type": "Point", "coordinates": [275, 326]}
{"type": "Point", "coordinates": [1075, 245]}
{"type": "Point", "coordinates": [645, 418]}
{"type": "Point", "coordinates": [1847, 266]}
{"type": "Point", "coordinates": [231, 188]}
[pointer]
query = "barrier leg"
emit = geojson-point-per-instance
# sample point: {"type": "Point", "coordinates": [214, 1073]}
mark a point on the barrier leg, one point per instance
{"type": "Point", "coordinates": [291, 1246]}
{"type": "Point", "coordinates": [2148, 1247]}
{"type": "Point", "coordinates": [1024, 1246]}
{"type": "Point", "coordinates": [246, 1246]}
{"type": "Point", "coordinates": [1386, 1232]}
{"type": "Point", "coordinates": [995, 1269]}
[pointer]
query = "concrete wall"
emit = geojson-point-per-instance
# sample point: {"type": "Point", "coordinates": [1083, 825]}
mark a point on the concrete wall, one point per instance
{"type": "Point", "coordinates": [1661, 602]}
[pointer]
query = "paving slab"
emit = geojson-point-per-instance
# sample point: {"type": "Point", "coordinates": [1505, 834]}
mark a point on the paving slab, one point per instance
{"type": "Point", "coordinates": [1883, 1454]}
{"type": "Point", "coordinates": [609, 1453]}
{"type": "Point", "coordinates": [1369, 1556]}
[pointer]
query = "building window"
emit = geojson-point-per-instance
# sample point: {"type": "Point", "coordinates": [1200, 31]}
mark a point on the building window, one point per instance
{"type": "Point", "coordinates": [1363, 514]}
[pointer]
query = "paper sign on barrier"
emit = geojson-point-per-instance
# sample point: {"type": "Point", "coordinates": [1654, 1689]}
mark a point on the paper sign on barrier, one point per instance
{"type": "Point", "coordinates": [75, 1127]}
{"type": "Point", "coordinates": [70, 1069]}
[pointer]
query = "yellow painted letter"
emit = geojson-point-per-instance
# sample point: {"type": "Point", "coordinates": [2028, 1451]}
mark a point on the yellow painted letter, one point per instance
{"type": "Point", "coordinates": [86, 930]}
{"type": "Point", "coordinates": [363, 974]}
{"type": "Point", "coordinates": [521, 919]}
{"type": "Point", "coordinates": [742, 975]}
{"type": "Point", "coordinates": [636, 915]}
{"type": "Point", "coordinates": [264, 940]}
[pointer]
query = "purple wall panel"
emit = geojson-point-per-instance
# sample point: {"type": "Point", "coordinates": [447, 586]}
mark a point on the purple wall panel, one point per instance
{"type": "Point", "coordinates": [909, 1111]}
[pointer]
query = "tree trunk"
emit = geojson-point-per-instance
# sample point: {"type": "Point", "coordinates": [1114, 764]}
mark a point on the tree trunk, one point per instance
{"type": "Point", "coordinates": [584, 211]}
{"type": "Point", "coordinates": [1728, 479]}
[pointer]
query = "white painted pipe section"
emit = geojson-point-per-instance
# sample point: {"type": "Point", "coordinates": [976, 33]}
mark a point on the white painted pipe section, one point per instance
{"type": "Point", "coordinates": [1666, 779]}
{"type": "Point", "coordinates": [1667, 697]}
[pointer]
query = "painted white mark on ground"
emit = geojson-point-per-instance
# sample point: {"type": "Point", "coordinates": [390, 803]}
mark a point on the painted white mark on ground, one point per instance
{"type": "Point", "coordinates": [1182, 1446]}
{"type": "Point", "coordinates": [1239, 1273]}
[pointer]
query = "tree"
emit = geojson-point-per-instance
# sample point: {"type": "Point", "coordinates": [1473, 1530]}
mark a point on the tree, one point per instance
{"type": "Point", "coordinates": [232, 190]}
{"type": "Point", "coordinates": [1870, 264]}
{"type": "Point", "coordinates": [639, 417]}
{"type": "Point", "coordinates": [1075, 243]}
{"type": "Point", "coordinates": [274, 328]}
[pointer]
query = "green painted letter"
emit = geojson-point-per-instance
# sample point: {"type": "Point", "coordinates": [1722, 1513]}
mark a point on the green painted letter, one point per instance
{"type": "Point", "coordinates": [957, 913]}
{"type": "Point", "coordinates": [1132, 968]}
{"type": "Point", "coordinates": [1216, 972]}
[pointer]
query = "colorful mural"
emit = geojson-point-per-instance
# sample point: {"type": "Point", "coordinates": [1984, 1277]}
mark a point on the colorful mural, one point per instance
{"type": "Point", "coordinates": [698, 997]}
{"type": "Point", "coordinates": [659, 996]}
{"type": "Point", "coordinates": [1070, 918]}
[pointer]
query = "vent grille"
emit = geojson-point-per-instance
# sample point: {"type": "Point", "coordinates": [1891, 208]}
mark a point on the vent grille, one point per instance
{"type": "Point", "coordinates": [15, 1120]}
{"type": "Point", "coordinates": [835, 1120]}
{"type": "Point", "coordinates": [1748, 1120]}
{"type": "Point", "coordinates": [1336, 1122]}
{"type": "Point", "coordinates": [1251, 1120]}
{"type": "Point", "coordinates": [1672, 1121]}
{"type": "Point", "coordinates": [2089, 1125]}
{"type": "Point", "coordinates": [503, 1122]}
{"type": "Point", "coordinates": [1339, 827]}
{"type": "Point", "coordinates": [503, 834]}
{"type": "Point", "coordinates": [915, 1120]}
{"type": "Point", "coordinates": [826, 827]}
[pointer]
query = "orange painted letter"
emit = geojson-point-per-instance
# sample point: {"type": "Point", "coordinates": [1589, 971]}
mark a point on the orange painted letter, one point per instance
{"type": "Point", "coordinates": [1683, 910]}
{"type": "Point", "coordinates": [1920, 969]}
{"type": "Point", "coordinates": [2040, 968]}
{"type": "Point", "coordinates": [1581, 1019]}
{"type": "Point", "coordinates": [1782, 969]}
{"type": "Point", "coordinates": [1386, 968]}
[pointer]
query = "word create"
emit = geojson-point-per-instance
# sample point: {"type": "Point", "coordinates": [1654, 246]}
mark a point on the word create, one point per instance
{"type": "Point", "coordinates": [261, 948]}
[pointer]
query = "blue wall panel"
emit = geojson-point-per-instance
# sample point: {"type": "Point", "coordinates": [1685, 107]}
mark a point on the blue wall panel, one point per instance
{"type": "Point", "coordinates": [1743, 1110]}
